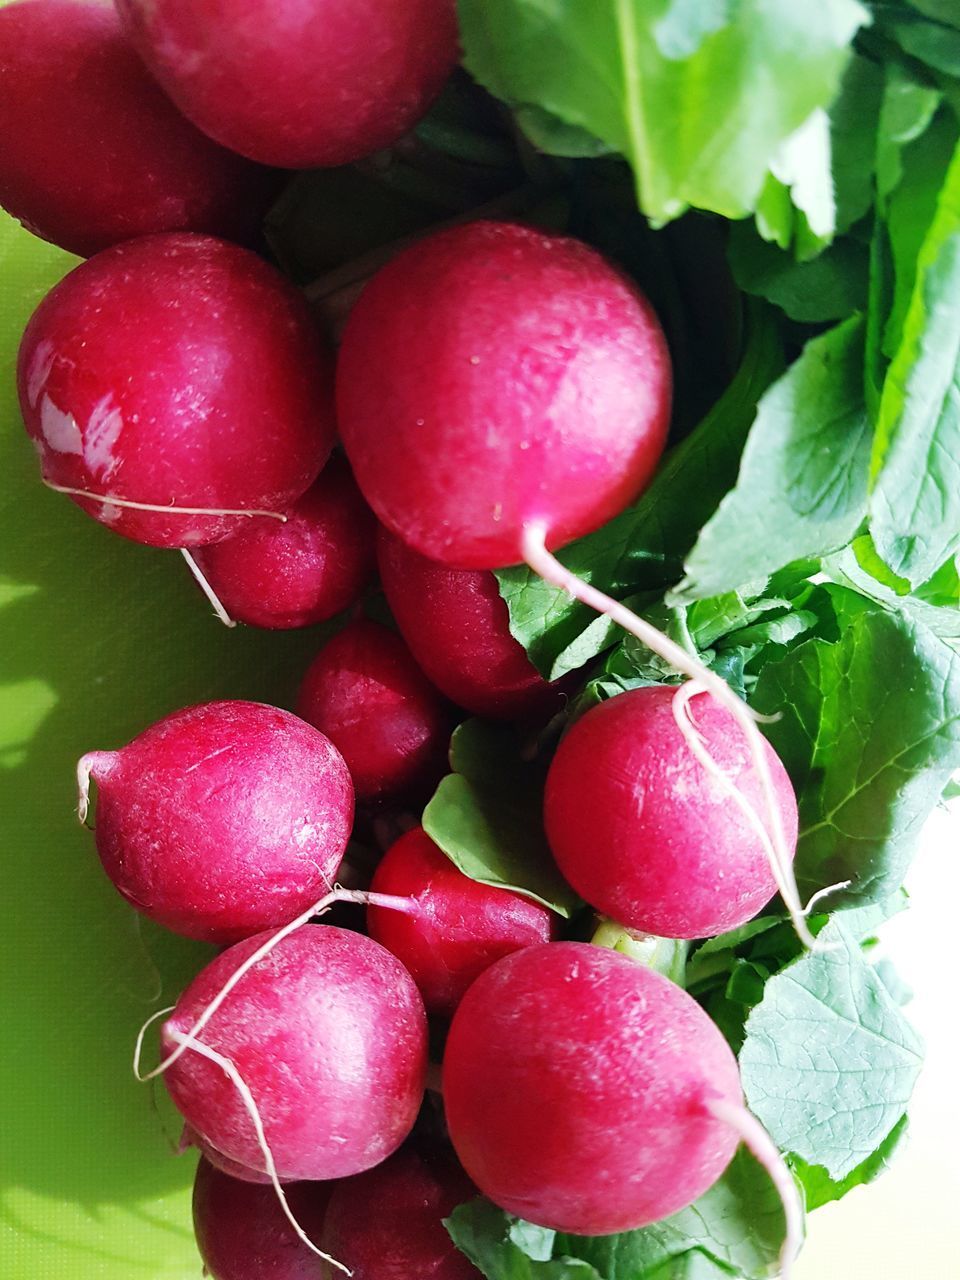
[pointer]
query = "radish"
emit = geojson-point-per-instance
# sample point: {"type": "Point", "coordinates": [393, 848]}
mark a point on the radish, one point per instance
{"type": "Point", "coordinates": [175, 386]}
{"type": "Point", "coordinates": [458, 629]}
{"type": "Point", "coordinates": [307, 83]}
{"type": "Point", "coordinates": [459, 927]}
{"type": "Point", "coordinates": [311, 1064]}
{"type": "Point", "coordinates": [366, 693]}
{"type": "Point", "coordinates": [500, 392]}
{"type": "Point", "coordinates": [588, 1094]}
{"type": "Point", "coordinates": [303, 571]}
{"type": "Point", "coordinates": [388, 1224]}
{"type": "Point", "coordinates": [92, 152]}
{"type": "Point", "coordinates": [649, 836]}
{"type": "Point", "coordinates": [234, 1171]}
{"type": "Point", "coordinates": [242, 1231]}
{"type": "Point", "coordinates": [222, 819]}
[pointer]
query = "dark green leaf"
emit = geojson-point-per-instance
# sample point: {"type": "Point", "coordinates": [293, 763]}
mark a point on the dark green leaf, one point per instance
{"type": "Point", "coordinates": [819, 1188]}
{"type": "Point", "coordinates": [487, 816]}
{"type": "Point", "coordinates": [829, 287]}
{"type": "Point", "coordinates": [853, 131]}
{"type": "Point", "coordinates": [699, 98]}
{"type": "Point", "coordinates": [802, 485]}
{"type": "Point", "coordinates": [487, 1236]}
{"type": "Point", "coordinates": [869, 730]}
{"type": "Point", "coordinates": [829, 1063]}
{"type": "Point", "coordinates": [556, 137]}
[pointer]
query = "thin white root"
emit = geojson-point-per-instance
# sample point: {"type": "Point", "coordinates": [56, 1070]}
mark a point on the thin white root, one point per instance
{"type": "Point", "coordinates": [185, 1042]}
{"type": "Point", "coordinates": [825, 893]}
{"type": "Point", "coordinates": [206, 588]}
{"type": "Point", "coordinates": [85, 767]}
{"type": "Point", "coordinates": [110, 500]}
{"type": "Point", "coordinates": [761, 1146]}
{"type": "Point", "coordinates": [544, 563]}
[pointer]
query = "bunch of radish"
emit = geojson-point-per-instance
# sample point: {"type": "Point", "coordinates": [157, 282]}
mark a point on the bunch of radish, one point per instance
{"type": "Point", "coordinates": [498, 392]}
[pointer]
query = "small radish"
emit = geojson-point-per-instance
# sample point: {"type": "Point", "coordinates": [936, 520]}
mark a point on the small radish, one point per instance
{"type": "Point", "coordinates": [492, 377]}
{"type": "Point", "coordinates": [648, 835]}
{"type": "Point", "coordinates": [92, 151]}
{"type": "Point", "coordinates": [242, 1231]}
{"type": "Point", "coordinates": [222, 819]}
{"type": "Point", "coordinates": [459, 928]}
{"type": "Point", "coordinates": [175, 386]}
{"type": "Point", "coordinates": [313, 1066]}
{"type": "Point", "coordinates": [303, 571]}
{"type": "Point", "coordinates": [388, 1224]}
{"type": "Point", "coordinates": [301, 83]}
{"type": "Point", "coordinates": [586, 1093]}
{"type": "Point", "coordinates": [458, 629]}
{"type": "Point", "coordinates": [234, 1171]}
{"type": "Point", "coordinates": [366, 693]}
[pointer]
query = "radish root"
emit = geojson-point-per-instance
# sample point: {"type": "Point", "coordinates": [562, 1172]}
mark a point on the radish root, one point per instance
{"type": "Point", "coordinates": [109, 500]}
{"type": "Point", "coordinates": [85, 767]}
{"type": "Point", "coordinates": [207, 590]}
{"type": "Point", "coordinates": [702, 680]}
{"type": "Point", "coordinates": [761, 1146]}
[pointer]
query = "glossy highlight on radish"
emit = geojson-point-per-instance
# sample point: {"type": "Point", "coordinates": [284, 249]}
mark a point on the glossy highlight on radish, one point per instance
{"type": "Point", "coordinates": [492, 376]}
{"type": "Point", "coordinates": [175, 386]}
{"type": "Point", "coordinates": [92, 152]}
{"type": "Point", "coordinates": [328, 1034]}
{"type": "Point", "coordinates": [221, 820]}
{"type": "Point", "coordinates": [458, 629]}
{"type": "Point", "coordinates": [301, 571]}
{"type": "Point", "coordinates": [645, 833]}
{"type": "Point", "coordinates": [459, 927]}
{"type": "Point", "coordinates": [309, 83]}
{"type": "Point", "coordinates": [366, 693]}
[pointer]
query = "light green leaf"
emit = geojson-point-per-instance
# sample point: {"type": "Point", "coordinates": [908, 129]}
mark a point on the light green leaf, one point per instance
{"type": "Point", "coordinates": [935, 603]}
{"type": "Point", "coordinates": [699, 98]}
{"type": "Point", "coordinates": [869, 731]}
{"type": "Point", "coordinates": [820, 1189]}
{"type": "Point", "coordinates": [802, 485]}
{"type": "Point", "coordinates": [487, 816]}
{"type": "Point", "coordinates": [829, 1063]}
{"type": "Point", "coordinates": [915, 503]}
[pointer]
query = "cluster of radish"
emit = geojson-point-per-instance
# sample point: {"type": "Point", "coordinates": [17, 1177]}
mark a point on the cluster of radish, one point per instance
{"type": "Point", "coordinates": [497, 393]}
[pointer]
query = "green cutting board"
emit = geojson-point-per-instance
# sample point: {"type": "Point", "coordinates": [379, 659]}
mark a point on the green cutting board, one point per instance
{"type": "Point", "coordinates": [98, 638]}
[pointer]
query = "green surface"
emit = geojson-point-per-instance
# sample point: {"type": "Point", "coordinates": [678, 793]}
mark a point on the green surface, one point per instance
{"type": "Point", "coordinates": [98, 637]}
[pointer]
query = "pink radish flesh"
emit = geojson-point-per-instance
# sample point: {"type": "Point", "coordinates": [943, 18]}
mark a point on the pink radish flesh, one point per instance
{"type": "Point", "coordinates": [303, 571]}
{"type": "Point", "coordinates": [242, 1232]}
{"type": "Point", "coordinates": [222, 819]}
{"type": "Point", "coordinates": [491, 377]}
{"type": "Point", "coordinates": [92, 151]}
{"type": "Point", "coordinates": [458, 629]}
{"type": "Point", "coordinates": [650, 837]}
{"type": "Point", "coordinates": [177, 371]}
{"type": "Point", "coordinates": [388, 1224]}
{"type": "Point", "coordinates": [320, 83]}
{"type": "Point", "coordinates": [366, 693]}
{"type": "Point", "coordinates": [460, 927]}
{"type": "Point", "coordinates": [328, 1033]}
{"type": "Point", "coordinates": [576, 1084]}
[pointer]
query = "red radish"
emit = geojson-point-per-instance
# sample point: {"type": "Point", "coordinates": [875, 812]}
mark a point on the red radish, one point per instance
{"type": "Point", "coordinates": [303, 571]}
{"type": "Point", "coordinates": [587, 1093]}
{"type": "Point", "coordinates": [492, 376]}
{"type": "Point", "coordinates": [458, 629]}
{"type": "Point", "coordinates": [222, 819]}
{"type": "Point", "coordinates": [232, 1169]}
{"type": "Point", "coordinates": [460, 927]}
{"type": "Point", "coordinates": [328, 1037]}
{"type": "Point", "coordinates": [366, 693]}
{"type": "Point", "coordinates": [388, 1224]}
{"type": "Point", "coordinates": [92, 151]}
{"type": "Point", "coordinates": [181, 381]}
{"type": "Point", "coordinates": [242, 1231]}
{"type": "Point", "coordinates": [648, 835]}
{"type": "Point", "coordinates": [311, 82]}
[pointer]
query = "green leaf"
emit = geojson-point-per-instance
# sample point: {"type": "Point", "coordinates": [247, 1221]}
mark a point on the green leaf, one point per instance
{"type": "Point", "coordinates": [643, 548]}
{"type": "Point", "coordinates": [802, 485]}
{"type": "Point", "coordinates": [699, 98]}
{"type": "Point", "coordinates": [829, 287]}
{"type": "Point", "coordinates": [915, 503]}
{"type": "Point", "coordinates": [935, 603]}
{"type": "Point", "coordinates": [487, 816]}
{"type": "Point", "coordinates": [738, 1223]}
{"type": "Point", "coordinates": [820, 1189]}
{"type": "Point", "coordinates": [942, 10]}
{"type": "Point", "coordinates": [869, 731]}
{"type": "Point", "coordinates": [829, 1063]}
{"type": "Point", "coordinates": [490, 1240]}
{"type": "Point", "coordinates": [853, 131]}
{"type": "Point", "coordinates": [558, 138]}
{"type": "Point", "coordinates": [798, 206]}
